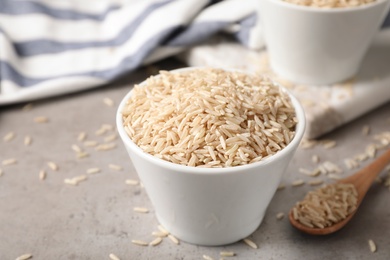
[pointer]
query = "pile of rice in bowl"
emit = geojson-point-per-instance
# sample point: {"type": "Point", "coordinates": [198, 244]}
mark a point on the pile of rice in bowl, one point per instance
{"type": "Point", "coordinates": [209, 117]}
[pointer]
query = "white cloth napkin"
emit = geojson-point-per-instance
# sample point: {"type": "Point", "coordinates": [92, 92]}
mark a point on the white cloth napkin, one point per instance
{"type": "Point", "coordinates": [50, 47]}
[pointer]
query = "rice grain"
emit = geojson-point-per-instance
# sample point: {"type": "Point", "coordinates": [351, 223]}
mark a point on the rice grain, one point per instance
{"type": "Point", "coordinates": [215, 121]}
{"type": "Point", "coordinates": [27, 140]}
{"type": "Point", "coordinates": [9, 161]}
{"type": "Point", "coordinates": [24, 257]}
{"type": "Point", "coordinates": [250, 243]}
{"type": "Point", "coordinates": [280, 215]}
{"type": "Point", "coordinates": [9, 136]}
{"type": "Point", "coordinates": [113, 257]}
{"type": "Point", "coordinates": [207, 257]}
{"type": "Point", "coordinates": [82, 136]}
{"type": "Point", "coordinates": [41, 119]}
{"type": "Point", "coordinates": [372, 245]}
{"type": "Point", "coordinates": [156, 241]}
{"type": "Point", "coordinates": [93, 170]}
{"type": "Point", "coordinates": [115, 167]}
{"type": "Point", "coordinates": [132, 182]}
{"type": "Point", "coordinates": [227, 253]}
{"type": "Point", "coordinates": [141, 210]}
{"type": "Point", "coordinates": [53, 166]}
{"type": "Point", "coordinates": [139, 242]}
{"type": "Point", "coordinates": [108, 101]}
{"type": "Point", "coordinates": [42, 175]}
{"type": "Point", "coordinates": [174, 239]}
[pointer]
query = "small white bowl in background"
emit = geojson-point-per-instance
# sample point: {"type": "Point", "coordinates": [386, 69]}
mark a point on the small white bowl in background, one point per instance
{"type": "Point", "coordinates": [318, 46]}
{"type": "Point", "coordinates": [210, 206]}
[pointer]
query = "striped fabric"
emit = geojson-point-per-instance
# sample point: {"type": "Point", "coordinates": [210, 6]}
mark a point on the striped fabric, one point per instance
{"type": "Point", "coordinates": [53, 47]}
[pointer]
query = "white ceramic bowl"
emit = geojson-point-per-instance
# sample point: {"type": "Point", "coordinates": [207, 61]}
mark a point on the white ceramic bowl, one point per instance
{"type": "Point", "coordinates": [214, 206]}
{"type": "Point", "coordinates": [315, 45]}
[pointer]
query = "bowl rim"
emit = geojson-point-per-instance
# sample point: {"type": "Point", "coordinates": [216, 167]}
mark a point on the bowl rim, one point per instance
{"type": "Point", "coordinates": [328, 10]}
{"type": "Point", "coordinates": [299, 132]}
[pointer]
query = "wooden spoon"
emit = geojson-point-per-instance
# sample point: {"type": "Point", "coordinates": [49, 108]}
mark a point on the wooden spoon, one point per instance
{"type": "Point", "coordinates": [362, 181]}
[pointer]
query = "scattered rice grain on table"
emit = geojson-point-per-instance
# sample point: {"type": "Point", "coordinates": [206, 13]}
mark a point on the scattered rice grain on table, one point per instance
{"type": "Point", "coordinates": [372, 245]}
{"type": "Point", "coordinates": [207, 257]}
{"type": "Point", "coordinates": [41, 119]}
{"type": "Point", "coordinates": [42, 175]}
{"type": "Point", "coordinates": [159, 234]}
{"type": "Point", "coordinates": [280, 215]}
{"type": "Point", "coordinates": [9, 136]}
{"type": "Point", "coordinates": [76, 148]}
{"type": "Point", "coordinates": [10, 161]}
{"type": "Point", "coordinates": [297, 183]}
{"type": "Point", "coordinates": [82, 155]}
{"type": "Point", "coordinates": [163, 229]}
{"type": "Point", "coordinates": [115, 167]}
{"type": "Point", "coordinates": [131, 182]}
{"type": "Point", "coordinates": [105, 147]}
{"type": "Point", "coordinates": [82, 136]}
{"type": "Point", "coordinates": [141, 210]}
{"type": "Point", "coordinates": [326, 206]}
{"type": "Point", "coordinates": [315, 158]}
{"type": "Point", "coordinates": [108, 102]}
{"type": "Point", "coordinates": [235, 111]}
{"type": "Point", "coordinates": [100, 131]}
{"type": "Point", "coordinates": [24, 257]}
{"type": "Point", "coordinates": [113, 257]}
{"type": "Point", "coordinates": [250, 243]}
{"type": "Point", "coordinates": [110, 138]}
{"type": "Point", "coordinates": [156, 241]}
{"type": "Point", "coordinates": [27, 140]}
{"type": "Point", "coordinates": [139, 242]}
{"type": "Point", "coordinates": [93, 170]}
{"type": "Point", "coordinates": [75, 180]}
{"type": "Point", "coordinates": [227, 253]}
{"type": "Point", "coordinates": [174, 239]}
{"type": "Point", "coordinates": [90, 143]}
{"type": "Point", "coordinates": [53, 166]}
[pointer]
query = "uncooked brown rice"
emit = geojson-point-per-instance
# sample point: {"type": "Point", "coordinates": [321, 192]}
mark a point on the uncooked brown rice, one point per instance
{"type": "Point", "coordinates": [93, 170]}
{"type": "Point", "coordinates": [297, 183]}
{"type": "Point", "coordinates": [113, 257]}
{"type": "Point", "coordinates": [9, 136]}
{"type": "Point", "coordinates": [159, 234]}
{"type": "Point", "coordinates": [250, 243]}
{"type": "Point", "coordinates": [82, 136]}
{"type": "Point", "coordinates": [41, 119]}
{"type": "Point", "coordinates": [132, 182]}
{"type": "Point", "coordinates": [207, 257]}
{"type": "Point", "coordinates": [156, 241]}
{"type": "Point", "coordinates": [163, 229]}
{"type": "Point", "coordinates": [330, 3]}
{"type": "Point", "coordinates": [115, 167]}
{"type": "Point", "coordinates": [326, 206]}
{"type": "Point", "coordinates": [105, 147]}
{"type": "Point", "coordinates": [76, 180]}
{"type": "Point", "coordinates": [24, 257]}
{"type": "Point", "coordinates": [27, 140]}
{"type": "Point", "coordinates": [141, 210]}
{"type": "Point", "coordinates": [372, 245]}
{"type": "Point", "coordinates": [209, 118]}
{"type": "Point", "coordinates": [227, 253]}
{"type": "Point", "coordinates": [139, 242]}
{"type": "Point", "coordinates": [53, 166]}
{"type": "Point", "coordinates": [9, 161]}
{"type": "Point", "coordinates": [280, 215]}
{"type": "Point", "coordinates": [42, 175]}
{"type": "Point", "coordinates": [173, 239]}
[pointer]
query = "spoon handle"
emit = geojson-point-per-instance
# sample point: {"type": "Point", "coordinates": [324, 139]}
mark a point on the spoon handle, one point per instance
{"type": "Point", "coordinates": [364, 178]}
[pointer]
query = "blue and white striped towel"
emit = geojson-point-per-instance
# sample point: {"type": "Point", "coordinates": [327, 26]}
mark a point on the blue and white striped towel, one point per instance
{"type": "Point", "coordinates": [51, 47]}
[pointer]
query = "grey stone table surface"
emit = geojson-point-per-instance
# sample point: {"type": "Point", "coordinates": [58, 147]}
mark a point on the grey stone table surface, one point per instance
{"type": "Point", "coordinates": [54, 220]}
